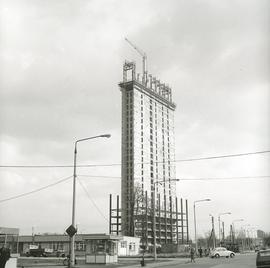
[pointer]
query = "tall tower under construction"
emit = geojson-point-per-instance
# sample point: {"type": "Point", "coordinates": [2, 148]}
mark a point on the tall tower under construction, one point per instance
{"type": "Point", "coordinates": [148, 186]}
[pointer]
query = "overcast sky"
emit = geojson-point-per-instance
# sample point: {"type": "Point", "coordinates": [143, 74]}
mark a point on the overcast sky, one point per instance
{"type": "Point", "coordinates": [61, 62]}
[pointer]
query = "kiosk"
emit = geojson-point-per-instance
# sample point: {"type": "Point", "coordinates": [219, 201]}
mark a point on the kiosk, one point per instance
{"type": "Point", "coordinates": [101, 248]}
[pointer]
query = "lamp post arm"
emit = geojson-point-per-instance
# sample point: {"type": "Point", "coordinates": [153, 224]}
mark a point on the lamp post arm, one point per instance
{"type": "Point", "coordinates": [94, 137]}
{"type": "Point", "coordinates": [202, 200]}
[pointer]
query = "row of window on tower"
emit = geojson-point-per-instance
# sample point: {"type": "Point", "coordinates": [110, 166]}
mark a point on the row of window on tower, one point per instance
{"type": "Point", "coordinates": [129, 149]}
{"type": "Point", "coordinates": [153, 141]}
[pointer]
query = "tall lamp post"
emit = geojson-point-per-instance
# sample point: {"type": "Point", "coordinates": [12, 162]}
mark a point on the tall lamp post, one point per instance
{"type": "Point", "coordinates": [154, 215]}
{"type": "Point", "coordinates": [220, 214]}
{"type": "Point", "coordinates": [194, 210]}
{"type": "Point", "coordinates": [72, 252]}
{"type": "Point", "coordinates": [252, 237]}
{"type": "Point", "coordinates": [233, 229]}
{"type": "Point", "coordinates": [213, 230]}
{"type": "Point", "coordinates": [244, 241]}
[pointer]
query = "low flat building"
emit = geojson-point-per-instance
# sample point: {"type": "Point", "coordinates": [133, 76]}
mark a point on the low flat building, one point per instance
{"type": "Point", "coordinates": [129, 246]}
{"type": "Point", "coordinates": [9, 237]}
{"type": "Point", "coordinates": [97, 248]}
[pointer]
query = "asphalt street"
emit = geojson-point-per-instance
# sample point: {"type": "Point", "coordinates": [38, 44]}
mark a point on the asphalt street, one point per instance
{"type": "Point", "coordinates": [239, 261]}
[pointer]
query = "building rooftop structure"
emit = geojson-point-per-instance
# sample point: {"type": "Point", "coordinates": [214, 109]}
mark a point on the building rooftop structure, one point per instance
{"type": "Point", "coordinates": [150, 84]}
{"type": "Point", "coordinates": [148, 157]}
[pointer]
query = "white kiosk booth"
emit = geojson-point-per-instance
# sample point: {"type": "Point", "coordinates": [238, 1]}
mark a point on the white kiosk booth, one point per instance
{"type": "Point", "coordinates": [101, 248]}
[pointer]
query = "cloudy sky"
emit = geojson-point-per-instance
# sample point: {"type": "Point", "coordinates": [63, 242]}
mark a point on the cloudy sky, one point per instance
{"type": "Point", "coordinates": [61, 62]}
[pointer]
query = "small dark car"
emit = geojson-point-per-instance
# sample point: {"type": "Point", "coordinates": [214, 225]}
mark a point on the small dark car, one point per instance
{"type": "Point", "coordinates": [263, 259]}
{"type": "Point", "coordinates": [36, 252]}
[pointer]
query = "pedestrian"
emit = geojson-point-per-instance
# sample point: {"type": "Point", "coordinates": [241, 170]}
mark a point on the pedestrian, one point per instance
{"type": "Point", "coordinates": [206, 252]}
{"type": "Point", "coordinates": [4, 256]}
{"type": "Point", "coordinates": [200, 251]}
{"type": "Point", "coordinates": [192, 254]}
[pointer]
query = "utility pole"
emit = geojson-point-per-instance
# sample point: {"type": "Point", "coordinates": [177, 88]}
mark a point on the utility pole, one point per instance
{"type": "Point", "coordinates": [223, 232]}
{"type": "Point", "coordinates": [248, 243]}
{"type": "Point", "coordinates": [219, 216]}
{"type": "Point", "coordinates": [33, 235]}
{"type": "Point", "coordinates": [233, 229]}
{"type": "Point", "coordinates": [245, 234]}
{"type": "Point", "coordinates": [213, 231]}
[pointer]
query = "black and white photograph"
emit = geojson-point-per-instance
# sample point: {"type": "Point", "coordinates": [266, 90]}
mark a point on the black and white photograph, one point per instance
{"type": "Point", "coordinates": [134, 133]}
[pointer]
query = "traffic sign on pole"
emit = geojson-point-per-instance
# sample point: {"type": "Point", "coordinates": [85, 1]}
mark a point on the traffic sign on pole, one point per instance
{"type": "Point", "coordinates": [71, 230]}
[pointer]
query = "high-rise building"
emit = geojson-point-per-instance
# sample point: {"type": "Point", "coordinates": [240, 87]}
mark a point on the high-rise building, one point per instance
{"type": "Point", "coordinates": [148, 154]}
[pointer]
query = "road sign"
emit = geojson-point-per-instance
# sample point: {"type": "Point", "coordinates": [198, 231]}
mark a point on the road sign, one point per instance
{"type": "Point", "coordinates": [71, 230]}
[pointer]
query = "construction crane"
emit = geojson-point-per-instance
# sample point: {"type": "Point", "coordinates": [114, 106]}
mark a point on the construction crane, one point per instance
{"type": "Point", "coordinates": [143, 54]}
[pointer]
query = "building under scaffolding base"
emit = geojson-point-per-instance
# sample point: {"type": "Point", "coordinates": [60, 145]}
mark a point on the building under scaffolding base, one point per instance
{"type": "Point", "coordinates": [171, 225]}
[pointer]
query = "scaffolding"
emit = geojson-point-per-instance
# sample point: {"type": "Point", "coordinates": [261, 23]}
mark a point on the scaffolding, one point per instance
{"type": "Point", "coordinates": [171, 224]}
{"type": "Point", "coordinates": [147, 81]}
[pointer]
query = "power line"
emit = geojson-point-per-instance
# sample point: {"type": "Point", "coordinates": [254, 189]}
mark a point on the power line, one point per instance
{"type": "Point", "coordinates": [224, 178]}
{"type": "Point", "coordinates": [111, 177]}
{"type": "Point", "coordinates": [222, 156]}
{"type": "Point", "coordinates": [117, 164]}
{"type": "Point", "coordinates": [190, 179]}
{"type": "Point", "coordinates": [92, 201]}
{"type": "Point", "coordinates": [35, 191]}
{"type": "Point", "coordinates": [100, 176]}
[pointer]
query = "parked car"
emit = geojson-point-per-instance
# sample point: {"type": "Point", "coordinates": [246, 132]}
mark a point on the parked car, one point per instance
{"type": "Point", "coordinates": [221, 252]}
{"type": "Point", "coordinates": [263, 259]}
{"type": "Point", "coordinates": [61, 253]}
{"type": "Point", "coordinates": [258, 248]}
{"type": "Point", "coordinates": [36, 252]}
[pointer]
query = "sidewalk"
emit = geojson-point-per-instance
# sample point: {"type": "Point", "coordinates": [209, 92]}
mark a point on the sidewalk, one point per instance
{"type": "Point", "coordinates": [149, 263]}
{"type": "Point", "coordinates": [133, 264]}
{"type": "Point", "coordinates": [159, 263]}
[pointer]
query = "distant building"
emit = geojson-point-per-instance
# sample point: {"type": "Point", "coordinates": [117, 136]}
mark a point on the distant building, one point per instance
{"type": "Point", "coordinates": [148, 161]}
{"type": "Point", "coordinates": [85, 244]}
{"type": "Point", "coordinates": [9, 237]}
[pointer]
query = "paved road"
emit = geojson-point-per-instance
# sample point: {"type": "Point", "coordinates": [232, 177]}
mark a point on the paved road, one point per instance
{"type": "Point", "coordinates": [240, 261]}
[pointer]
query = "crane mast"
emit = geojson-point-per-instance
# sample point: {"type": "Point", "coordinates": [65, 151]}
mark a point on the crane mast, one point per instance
{"type": "Point", "coordinates": [144, 57]}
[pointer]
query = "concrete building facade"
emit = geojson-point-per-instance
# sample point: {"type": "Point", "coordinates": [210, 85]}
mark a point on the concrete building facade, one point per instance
{"type": "Point", "coordinates": [148, 158]}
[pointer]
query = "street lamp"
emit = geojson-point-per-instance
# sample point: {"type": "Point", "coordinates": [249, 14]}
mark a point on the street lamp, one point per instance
{"type": "Point", "coordinates": [154, 215]}
{"type": "Point", "coordinates": [244, 240]}
{"type": "Point", "coordinates": [251, 237]}
{"type": "Point", "coordinates": [234, 227]}
{"type": "Point", "coordinates": [194, 210]}
{"type": "Point", "coordinates": [220, 214]}
{"type": "Point", "coordinates": [72, 253]}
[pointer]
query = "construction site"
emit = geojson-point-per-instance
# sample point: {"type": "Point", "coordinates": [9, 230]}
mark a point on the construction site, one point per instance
{"type": "Point", "coordinates": [150, 208]}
